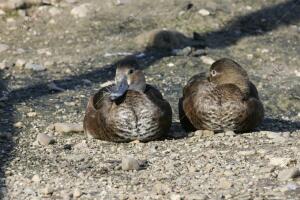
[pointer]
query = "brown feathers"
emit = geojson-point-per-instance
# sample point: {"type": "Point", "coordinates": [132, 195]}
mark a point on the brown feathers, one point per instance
{"type": "Point", "coordinates": [226, 100]}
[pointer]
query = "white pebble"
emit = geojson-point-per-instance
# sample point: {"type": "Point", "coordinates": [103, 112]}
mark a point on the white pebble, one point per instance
{"type": "Point", "coordinates": [204, 12]}
{"type": "Point", "coordinates": [80, 11]}
{"type": "Point", "coordinates": [44, 139]}
{"type": "Point", "coordinates": [68, 127]}
{"type": "Point", "coordinates": [130, 163]}
{"type": "Point", "coordinates": [207, 60]}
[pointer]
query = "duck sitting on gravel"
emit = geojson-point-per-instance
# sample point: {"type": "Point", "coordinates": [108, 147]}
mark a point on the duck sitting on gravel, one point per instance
{"type": "Point", "coordinates": [225, 100]}
{"type": "Point", "coordinates": [129, 110]}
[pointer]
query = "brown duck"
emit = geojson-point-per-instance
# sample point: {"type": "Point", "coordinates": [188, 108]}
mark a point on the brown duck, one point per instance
{"type": "Point", "coordinates": [225, 100]}
{"type": "Point", "coordinates": [129, 110]}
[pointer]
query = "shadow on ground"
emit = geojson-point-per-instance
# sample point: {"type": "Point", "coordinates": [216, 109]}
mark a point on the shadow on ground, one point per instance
{"type": "Point", "coordinates": [6, 129]}
{"type": "Point", "coordinates": [279, 125]}
{"type": "Point", "coordinates": [253, 24]}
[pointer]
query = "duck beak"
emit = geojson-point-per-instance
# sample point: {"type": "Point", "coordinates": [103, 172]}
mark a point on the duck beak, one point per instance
{"type": "Point", "coordinates": [120, 89]}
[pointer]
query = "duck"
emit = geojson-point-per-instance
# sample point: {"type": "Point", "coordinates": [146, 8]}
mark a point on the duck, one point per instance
{"type": "Point", "coordinates": [223, 100]}
{"type": "Point", "coordinates": [128, 110]}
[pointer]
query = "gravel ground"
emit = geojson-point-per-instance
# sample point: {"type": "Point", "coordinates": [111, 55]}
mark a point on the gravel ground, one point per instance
{"type": "Point", "coordinates": [55, 54]}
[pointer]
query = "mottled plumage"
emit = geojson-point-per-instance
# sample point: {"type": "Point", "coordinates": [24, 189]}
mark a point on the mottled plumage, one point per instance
{"type": "Point", "coordinates": [137, 113]}
{"type": "Point", "coordinates": [226, 100]}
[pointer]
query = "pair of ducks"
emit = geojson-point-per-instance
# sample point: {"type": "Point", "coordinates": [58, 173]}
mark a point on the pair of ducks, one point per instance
{"type": "Point", "coordinates": [133, 110]}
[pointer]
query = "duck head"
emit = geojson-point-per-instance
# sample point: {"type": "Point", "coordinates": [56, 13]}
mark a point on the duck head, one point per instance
{"type": "Point", "coordinates": [127, 78]}
{"type": "Point", "coordinates": [227, 71]}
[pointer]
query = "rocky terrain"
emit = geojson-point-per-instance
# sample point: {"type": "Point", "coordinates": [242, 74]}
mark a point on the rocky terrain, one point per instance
{"type": "Point", "coordinates": [54, 54]}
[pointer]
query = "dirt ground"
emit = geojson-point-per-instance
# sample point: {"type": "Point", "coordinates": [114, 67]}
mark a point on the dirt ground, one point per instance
{"type": "Point", "coordinates": [73, 44]}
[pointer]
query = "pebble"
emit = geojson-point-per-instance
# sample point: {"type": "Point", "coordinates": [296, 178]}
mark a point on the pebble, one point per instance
{"type": "Point", "coordinates": [289, 173]}
{"type": "Point", "coordinates": [3, 47]}
{"type": "Point", "coordinates": [35, 67]}
{"type": "Point", "coordinates": [130, 163]}
{"type": "Point", "coordinates": [45, 139]}
{"type": "Point", "coordinates": [182, 52]}
{"type": "Point", "coordinates": [230, 133]}
{"type": "Point", "coordinates": [48, 190]}
{"type": "Point", "coordinates": [204, 133]}
{"type": "Point", "coordinates": [207, 60]}
{"type": "Point", "coordinates": [31, 114]}
{"type": "Point", "coordinates": [122, 2]}
{"type": "Point", "coordinates": [280, 161]}
{"type": "Point", "coordinates": [170, 64]}
{"type": "Point", "coordinates": [204, 12]}
{"type": "Point", "coordinates": [20, 63]}
{"type": "Point", "coordinates": [247, 153]}
{"type": "Point", "coordinates": [2, 65]}
{"type": "Point", "coordinates": [250, 56]}
{"type": "Point", "coordinates": [53, 86]}
{"type": "Point", "coordinates": [29, 191]}
{"type": "Point", "coordinates": [276, 136]}
{"type": "Point", "coordinates": [36, 178]}
{"type": "Point", "coordinates": [2, 12]}
{"type": "Point", "coordinates": [77, 193]}
{"type": "Point", "coordinates": [80, 11]}
{"type": "Point", "coordinates": [18, 125]}
{"type": "Point", "coordinates": [175, 196]}
{"type": "Point", "coordinates": [224, 183]}
{"type": "Point", "coordinates": [160, 188]}
{"type": "Point", "coordinates": [53, 11]}
{"type": "Point", "coordinates": [68, 127]}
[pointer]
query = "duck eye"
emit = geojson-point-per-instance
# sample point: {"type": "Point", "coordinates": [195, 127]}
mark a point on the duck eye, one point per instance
{"type": "Point", "coordinates": [130, 71]}
{"type": "Point", "coordinates": [213, 72]}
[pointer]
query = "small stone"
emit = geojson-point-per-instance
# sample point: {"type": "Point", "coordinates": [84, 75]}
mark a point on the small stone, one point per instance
{"type": "Point", "coordinates": [18, 125]}
{"type": "Point", "coordinates": [35, 67]}
{"type": "Point", "coordinates": [45, 139]}
{"type": "Point", "coordinates": [182, 52]}
{"type": "Point", "coordinates": [2, 12]}
{"type": "Point", "coordinates": [68, 127]}
{"type": "Point", "coordinates": [67, 147]}
{"type": "Point", "coordinates": [170, 64]}
{"type": "Point", "coordinates": [80, 11]}
{"type": "Point", "coordinates": [29, 191]}
{"type": "Point", "coordinates": [280, 161]}
{"type": "Point", "coordinates": [287, 174]}
{"type": "Point", "coordinates": [31, 114]}
{"type": "Point", "coordinates": [49, 63]}
{"type": "Point", "coordinates": [3, 47]}
{"type": "Point", "coordinates": [48, 190]}
{"type": "Point", "coordinates": [54, 87]}
{"type": "Point", "coordinates": [230, 133]}
{"type": "Point", "coordinates": [207, 60]}
{"type": "Point", "coordinates": [122, 2]}
{"type": "Point", "coordinates": [204, 133]}
{"type": "Point", "coordinates": [161, 188]}
{"type": "Point", "coordinates": [20, 63]}
{"type": "Point", "coordinates": [53, 11]}
{"type": "Point", "coordinates": [247, 152]}
{"type": "Point", "coordinates": [224, 183]}
{"type": "Point", "coordinates": [250, 56]}
{"type": "Point", "coordinates": [204, 12]}
{"type": "Point", "coordinates": [77, 193]}
{"type": "Point", "coordinates": [130, 163]}
{"type": "Point", "coordinates": [66, 195]}
{"type": "Point", "coordinates": [36, 178]}
{"type": "Point", "coordinates": [87, 81]}
{"type": "Point", "coordinates": [3, 65]}
{"type": "Point", "coordinates": [175, 196]}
